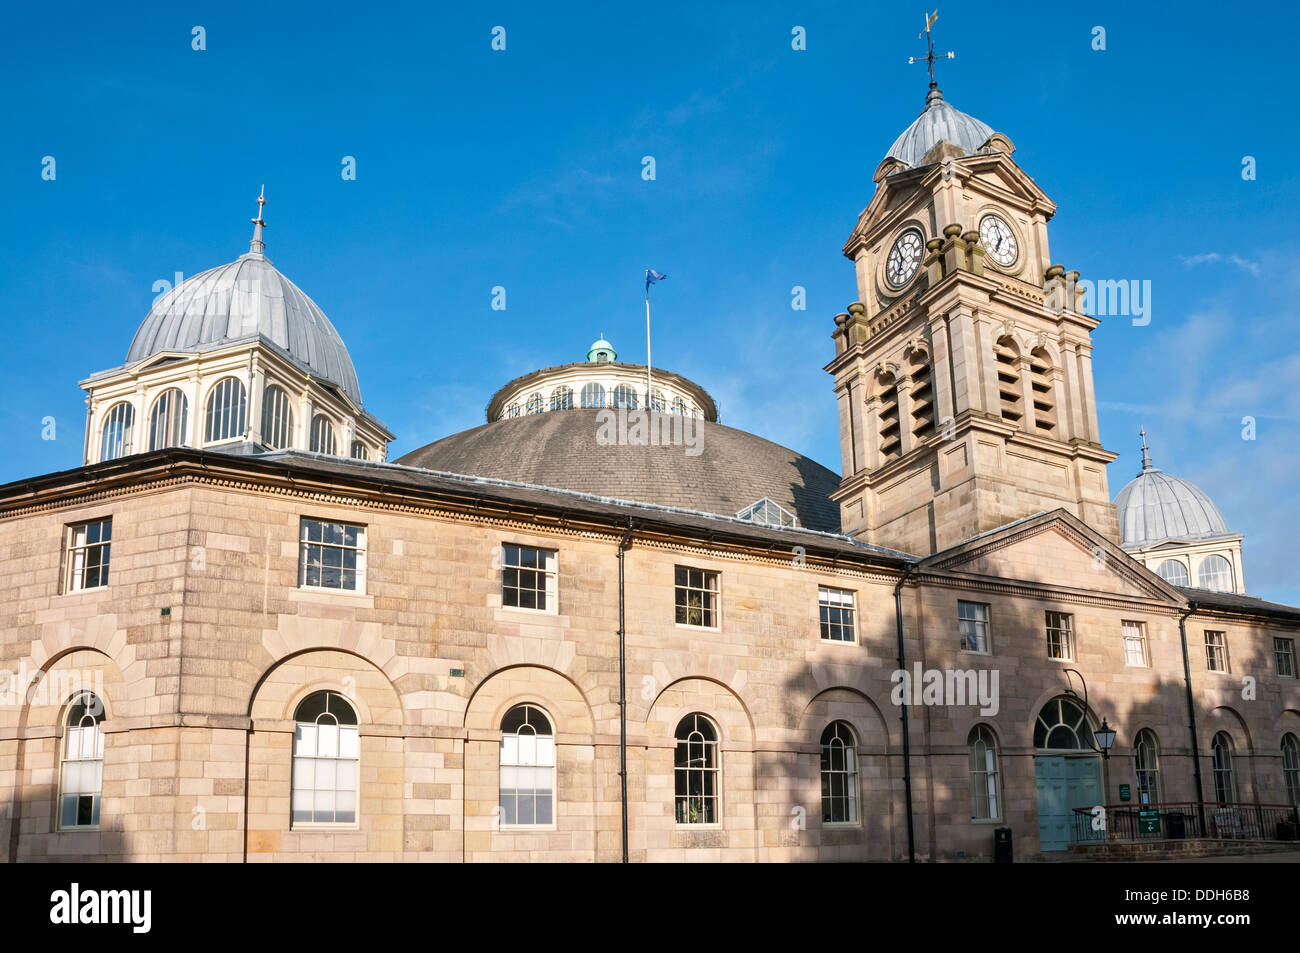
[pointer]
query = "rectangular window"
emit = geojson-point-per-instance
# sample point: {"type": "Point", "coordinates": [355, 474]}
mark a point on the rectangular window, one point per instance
{"type": "Point", "coordinates": [1060, 635]}
{"type": "Point", "coordinates": [88, 551]}
{"type": "Point", "coordinates": [973, 623]}
{"type": "Point", "coordinates": [836, 609]}
{"type": "Point", "coordinates": [528, 578]}
{"type": "Point", "coordinates": [1216, 651]}
{"type": "Point", "coordinates": [1284, 655]}
{"type": "Point", "coordinates": [696, 597]}
{"type": "Point", "coordinates": [333, 556]}
{"type": "Point", "coordinates": [1135, 644]}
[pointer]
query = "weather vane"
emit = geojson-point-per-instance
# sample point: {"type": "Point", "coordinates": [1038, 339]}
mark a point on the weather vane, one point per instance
{"type": "Point", "coordinates": [930, 55]}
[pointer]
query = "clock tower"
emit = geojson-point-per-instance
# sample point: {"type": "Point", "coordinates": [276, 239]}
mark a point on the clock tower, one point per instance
{"type": "Point", "coordinates": [963, 372]}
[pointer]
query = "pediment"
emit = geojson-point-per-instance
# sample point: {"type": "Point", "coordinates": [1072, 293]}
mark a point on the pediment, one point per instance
{"type": "Point", "coordinates": [1054, 550]}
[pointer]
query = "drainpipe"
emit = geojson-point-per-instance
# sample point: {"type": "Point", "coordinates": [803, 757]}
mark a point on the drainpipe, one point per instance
{"type": "Point", "coordinates": [907, 748]}
{"type": "Point", "coordinates": [1191, 715]}
{"type": "Point", "coordinates": [623, 545]}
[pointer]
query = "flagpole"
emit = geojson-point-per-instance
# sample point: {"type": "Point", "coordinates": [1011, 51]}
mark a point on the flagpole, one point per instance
{"type": "Point", "coordinates": [648, 383]}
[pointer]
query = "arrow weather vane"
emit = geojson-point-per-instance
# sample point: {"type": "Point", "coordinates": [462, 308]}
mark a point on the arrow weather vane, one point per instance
{"type": "Point", "coordinates": [930, 55]}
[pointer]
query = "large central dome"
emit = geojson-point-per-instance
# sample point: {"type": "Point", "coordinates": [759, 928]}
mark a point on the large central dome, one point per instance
{"type": "Point", "coordinates": [731, 470]}
{"type": "Point", "coordinates": [246, 299]}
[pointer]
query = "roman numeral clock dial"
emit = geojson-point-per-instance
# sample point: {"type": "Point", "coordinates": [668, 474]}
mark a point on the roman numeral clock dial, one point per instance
{"type": "Point", "coordinates": [904, 258]}
{"type": "Point", "coordinates": [999, 241]}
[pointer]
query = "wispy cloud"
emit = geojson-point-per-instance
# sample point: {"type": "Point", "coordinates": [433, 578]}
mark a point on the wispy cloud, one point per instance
{"type": "Point", "coordinates": [1214, 258]}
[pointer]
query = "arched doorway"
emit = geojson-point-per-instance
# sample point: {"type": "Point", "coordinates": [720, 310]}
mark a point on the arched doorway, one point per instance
{"type": "Point", "coordinates": [1066, 768]}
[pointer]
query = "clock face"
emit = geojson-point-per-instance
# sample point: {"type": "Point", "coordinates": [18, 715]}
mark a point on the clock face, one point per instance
{"type": "Point", "coordinates": [999, 241]}
{"type": "Point", "coordinates": [904, 258]}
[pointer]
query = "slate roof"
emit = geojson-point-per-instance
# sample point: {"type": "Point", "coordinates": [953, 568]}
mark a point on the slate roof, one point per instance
{"type": "Point", "coordinates": [1234, 602]}
{"type": "Point", "coordinates": [732, 470]}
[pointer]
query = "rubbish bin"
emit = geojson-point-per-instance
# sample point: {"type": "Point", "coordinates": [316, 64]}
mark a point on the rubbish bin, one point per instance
{"type": "Point", "coordinates": [1177, 825]}
{"type": "Point", "coordinates": [1002, 845]}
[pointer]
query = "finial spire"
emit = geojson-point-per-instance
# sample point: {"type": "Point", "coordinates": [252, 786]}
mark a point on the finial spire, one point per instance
{"type": "Point", "coordinates": [257, 246]}
{"type": "Point", "coordinates": [1146, 452]}
{"type": "Point", "coordinates": [930, 57]}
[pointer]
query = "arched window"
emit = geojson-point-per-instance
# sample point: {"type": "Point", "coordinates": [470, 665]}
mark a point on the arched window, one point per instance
{"type": "Point", "coordinates": [81, 777]}
{"type": "Point", "coordinates": [119, 432]}
{"type": "Point", "coordinates": [1146, 764]}
{"type": "Point", "coordinates": [1008, 361]}
{"type": "Point", "coordinates": [322, 435]}
{"type": "Point", "coordinates": [1215, 574]}
{"type": "Point", "coordinates": [658, 402]}
{"type": "Point", "coordinates": [839, 775]}
{"type": "Point", "coordinates": [1173, 572]}
{"type": "Point", "coordinates": [562, 398]}
{"type": "Point", "coordinates": [1063, 726]}
{"type": "Point", "coordinates": [326, 760]}
{"type": "Point", "coordinates": [167, 422]}
{"type": "Point", "coordinates": [679, 407]}
{"type": "Point", "coordinates": [593, 395]}
{"type": "Point", "coordinates": [227, 413]}
{"type": "Point", "coordinates": [535, 404]}
{"type": "Point", "coordinates": [1225, 787]}
{"type": "Point", "coordinates": [527, 789]}
{"type": "Point", "coordinates": [1291, 768]}
{"type": "Point", "coordinates": [695, 769]}
{"type": "Point", "coordinates": [358, 450]}
{"type": "Point", "coordinates": [625, 396]}
{"type": "Point", "coordinates": [277, 418]}
{"type": "Point", "coordinates": [984, 779]}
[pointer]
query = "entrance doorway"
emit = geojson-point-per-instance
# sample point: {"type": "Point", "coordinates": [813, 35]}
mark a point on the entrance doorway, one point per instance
{"type": "Point", "coordinates": [1066, 769]}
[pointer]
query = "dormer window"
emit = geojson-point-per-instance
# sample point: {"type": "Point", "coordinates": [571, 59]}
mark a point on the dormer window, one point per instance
{"type": "Point", "coordinates": [768, 513]}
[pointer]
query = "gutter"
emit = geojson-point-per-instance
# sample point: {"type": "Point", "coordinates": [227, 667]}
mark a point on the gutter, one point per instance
{"type": "Point", "coordinates": [1191, 713]}
{"type": "Point", "coordinates": [907, 748]}
{"type": "Point", "coordinates": [624, 545]}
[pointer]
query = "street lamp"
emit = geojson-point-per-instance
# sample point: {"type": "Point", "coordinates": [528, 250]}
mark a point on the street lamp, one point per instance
{"type": "Point", "coordinates": [1105, 738]}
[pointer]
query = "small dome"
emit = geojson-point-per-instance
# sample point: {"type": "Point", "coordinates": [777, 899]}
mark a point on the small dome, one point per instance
{"type": "Point", "coordinates": [246, 299]}
{"type": "Point", "coordinates": [1156, 507]}
{"type": "Point", "coordinates": [602, 350]}
{"type": "Point", "coordinates": [938, 122]}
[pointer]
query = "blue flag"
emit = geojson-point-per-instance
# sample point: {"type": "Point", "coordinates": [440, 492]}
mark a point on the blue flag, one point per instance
{"type": "Point", "coordinates": [651, 276]}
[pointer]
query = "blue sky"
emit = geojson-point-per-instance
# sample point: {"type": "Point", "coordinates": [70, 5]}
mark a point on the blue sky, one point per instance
{"type": "Point", "coordinates": [522, 169]}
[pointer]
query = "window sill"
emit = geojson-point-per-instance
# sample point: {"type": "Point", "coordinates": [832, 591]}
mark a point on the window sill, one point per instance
{"type": "Point", "coordinates": [681, 826]}
{"type": "Point", "coordinates": [88, 829]}
{"type": "Point", "coordinates": [527, 611]}
{"type": "Point", "coordinates": [828, 641]}
{"type": "Point", "coordinates": [87, 591]}
{"type": "Point", "coordinates": [698, 628]}
{"type": "Point", "coordinates": [324, 827]}
{"type": "Point", "coordinates": [979, 652]}
{"type": "Point", "coordinates": [526, 828]}
{"type": "Point", "coordinates": [345, 597]}
{"type": "Point", "coordinates": [841, 825]}
{"type": "Point", "coordinates": [987, 820]}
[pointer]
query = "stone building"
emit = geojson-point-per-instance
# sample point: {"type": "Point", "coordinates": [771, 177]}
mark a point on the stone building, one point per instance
{"type": "Point", "coordinates": [235, 632]}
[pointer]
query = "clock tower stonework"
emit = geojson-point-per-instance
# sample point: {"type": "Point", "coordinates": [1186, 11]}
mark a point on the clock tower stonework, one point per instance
{"type": "Point", "coordinates": [963, 372]}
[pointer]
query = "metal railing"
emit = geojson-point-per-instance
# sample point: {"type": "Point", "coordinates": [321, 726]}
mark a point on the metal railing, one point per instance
{"type": "Point", "coordinates": [1174, 820]}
